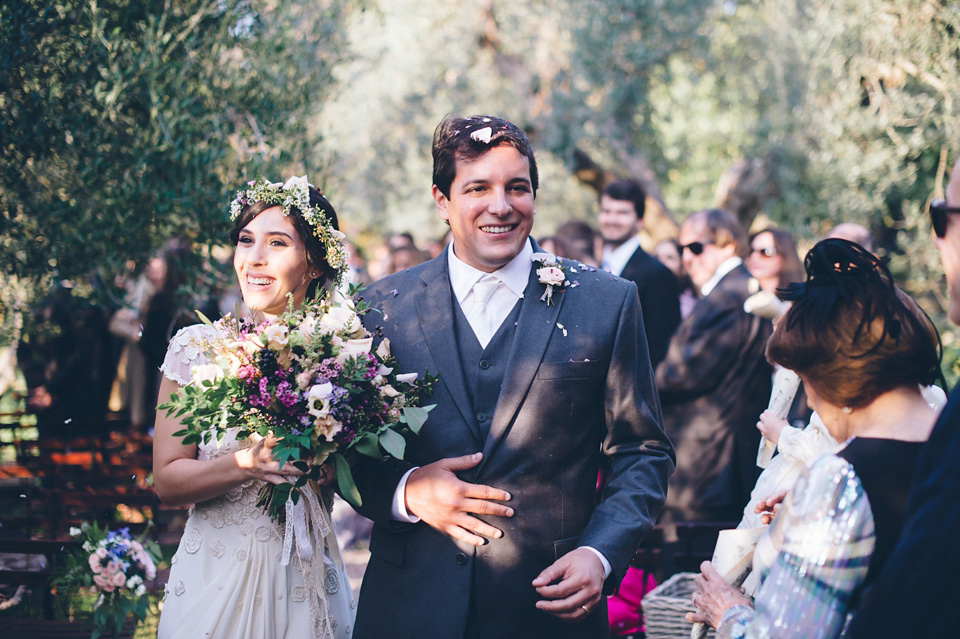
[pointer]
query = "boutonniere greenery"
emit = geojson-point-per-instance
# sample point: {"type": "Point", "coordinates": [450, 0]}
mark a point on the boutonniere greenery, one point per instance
{"type": "Point", "coordinates": [552, 273]}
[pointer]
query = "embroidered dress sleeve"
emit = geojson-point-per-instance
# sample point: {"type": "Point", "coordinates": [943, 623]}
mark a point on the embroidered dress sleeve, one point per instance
{"type": "Point", "coordinates": [825, 533]}
{"type": "Point", "coordinates": [187, 349]}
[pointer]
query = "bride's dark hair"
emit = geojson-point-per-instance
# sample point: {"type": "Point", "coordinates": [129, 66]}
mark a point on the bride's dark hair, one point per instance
{"type": "Point", "coordinates": [851, 332]}
{"type": "Point", "coordinates": [316, 252]}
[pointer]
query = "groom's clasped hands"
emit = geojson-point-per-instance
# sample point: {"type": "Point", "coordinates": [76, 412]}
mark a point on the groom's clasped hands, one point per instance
{"type": "Point", "coordinates": [570, 587]}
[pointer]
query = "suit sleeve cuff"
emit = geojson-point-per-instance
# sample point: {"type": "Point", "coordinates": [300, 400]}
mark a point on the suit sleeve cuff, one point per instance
{"type": "Point", "coordinates": [603, 560]}
{"type": "Point", "coordinates": [399, 509]}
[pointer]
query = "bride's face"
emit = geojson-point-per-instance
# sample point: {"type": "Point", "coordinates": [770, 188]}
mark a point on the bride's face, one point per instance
{"type": "Point", "coordinates": [271, 261]}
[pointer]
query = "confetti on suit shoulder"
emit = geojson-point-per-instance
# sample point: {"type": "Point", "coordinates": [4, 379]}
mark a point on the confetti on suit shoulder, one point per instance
{"type": "Point", "coordinates": [574, 283]}
{"type": "Point", "coordinates": [395, 292]}
{"type": "Point", "coordinates": [560, 326]}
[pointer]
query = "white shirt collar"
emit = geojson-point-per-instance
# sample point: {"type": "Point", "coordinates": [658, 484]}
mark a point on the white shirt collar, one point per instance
{"type": "Point", "coordinates": [515, 273]}
{"type": "Point", "coordinates": [615, 260]}
{"type": "Point", "coordinates": [725, 267]}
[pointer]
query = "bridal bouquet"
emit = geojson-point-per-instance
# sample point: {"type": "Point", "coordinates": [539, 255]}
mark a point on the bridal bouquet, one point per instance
{"type": "Point", "coordinates": [114, 566]}
{"type": "Point", "coordinates": [311, 379]}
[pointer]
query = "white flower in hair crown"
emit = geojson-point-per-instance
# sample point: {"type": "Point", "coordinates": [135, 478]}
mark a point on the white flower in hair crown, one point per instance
{"type": "Point", "coordinates": [295, 192]}
{"type": "Point", "coordinates": [551, 273]}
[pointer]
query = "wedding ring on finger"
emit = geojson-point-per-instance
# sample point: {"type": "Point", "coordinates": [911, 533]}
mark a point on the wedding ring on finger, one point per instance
{"type": "Point", "coordinates": [585, 609]}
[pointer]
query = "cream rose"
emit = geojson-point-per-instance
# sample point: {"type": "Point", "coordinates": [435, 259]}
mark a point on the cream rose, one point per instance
{"type": "Point", "coordinates": [550, 275]}
{"type": "Point", "coordinates": [276, 335]}
{"type": "Point", "coordinates": [206, 373]}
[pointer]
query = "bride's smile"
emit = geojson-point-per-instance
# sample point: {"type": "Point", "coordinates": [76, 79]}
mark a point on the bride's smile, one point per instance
{"type": "Point", "coordinates": [271, 261]}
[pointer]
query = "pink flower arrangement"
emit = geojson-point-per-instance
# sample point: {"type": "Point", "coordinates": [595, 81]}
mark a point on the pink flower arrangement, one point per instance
{"type": "Point", "coordinates": [114, 566]}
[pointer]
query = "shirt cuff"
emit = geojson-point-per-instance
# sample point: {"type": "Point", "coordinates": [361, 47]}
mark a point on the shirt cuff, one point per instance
{"type": "Point", "coordinates": [603, 560]}
{"type": "Point", "coordinates": [399, 507]}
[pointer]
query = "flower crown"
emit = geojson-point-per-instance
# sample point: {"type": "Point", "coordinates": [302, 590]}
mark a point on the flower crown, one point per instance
{"type": "Point", "coordinates": [295, 192]}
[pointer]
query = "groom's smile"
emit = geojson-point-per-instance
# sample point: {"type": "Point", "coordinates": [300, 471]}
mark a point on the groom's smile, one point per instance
{"type": "Point", "coordinates": [490, 209]}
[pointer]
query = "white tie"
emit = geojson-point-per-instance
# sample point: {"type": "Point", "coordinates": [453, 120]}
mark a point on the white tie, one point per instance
{"type": "Point", "coordinates": [479, 315]}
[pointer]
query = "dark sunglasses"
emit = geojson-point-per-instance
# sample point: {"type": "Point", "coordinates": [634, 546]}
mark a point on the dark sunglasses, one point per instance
{"type": "Point", "coordinates": [767, 251]}
{"type": "Point", "coordinates": [938, 216]}
{"type": "Point", "coordinates": [695, 247]}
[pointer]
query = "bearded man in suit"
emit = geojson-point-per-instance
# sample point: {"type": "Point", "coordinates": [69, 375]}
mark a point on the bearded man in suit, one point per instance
{"type": "Point", "coordinates": [620, 220]}
{"type": "Point", "coordinates": [491, 526]}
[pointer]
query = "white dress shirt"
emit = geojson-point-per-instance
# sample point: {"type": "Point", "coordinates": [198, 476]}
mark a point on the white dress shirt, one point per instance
{"type": "Point", "coordinates": [615, 259]}
{"type": "Point", "coordinates": [725, 267]}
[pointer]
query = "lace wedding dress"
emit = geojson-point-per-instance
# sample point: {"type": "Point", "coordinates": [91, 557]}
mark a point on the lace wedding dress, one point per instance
{"type": "Point", "coordinates": [232, 576]}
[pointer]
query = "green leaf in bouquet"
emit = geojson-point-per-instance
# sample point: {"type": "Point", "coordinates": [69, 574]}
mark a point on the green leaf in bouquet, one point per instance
{"type": "Point", "coordinates": [204, 318]}
{"type": "Point", "coordinates": [393, 442]}
{"type": "Point", "coordinates": [283, 454]}
{"type": "Point", "coordinates": [368, 444]}
{"type": "Point", "coordinates": [415, 416]}
{"type": "Point", "coordinates": [348, 488]}
{"type": "Point", "coordinates": [301, 466]}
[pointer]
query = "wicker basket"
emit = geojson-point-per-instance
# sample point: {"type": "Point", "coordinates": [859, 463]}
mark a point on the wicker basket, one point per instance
{"type": "Point", "coordinates": [664, 608]}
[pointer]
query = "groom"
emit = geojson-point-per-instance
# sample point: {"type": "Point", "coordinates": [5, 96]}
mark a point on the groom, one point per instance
{"type": "Point", "coordinates": [491, 527]}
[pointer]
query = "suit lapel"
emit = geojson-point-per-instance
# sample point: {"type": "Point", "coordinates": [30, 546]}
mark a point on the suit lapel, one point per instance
{"type": "Point", "coordinates": [534, 328]}
{"type": "Point", "coordinates": [435, 312]}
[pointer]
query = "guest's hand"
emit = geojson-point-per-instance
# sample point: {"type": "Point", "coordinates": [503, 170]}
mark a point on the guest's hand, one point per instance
{"type": "Point", "coordinates": [258, 462]}
{"type": "Point", "coordinates": [572, 586]}
{"type": "Point", "coordinates": [769, 506]}
{"type": "Point", "coordinates": [440, 499]}
{"type": "Point", "coordinates": [771, 425]}
{"type": "Point", "coordinates": [713, 597]}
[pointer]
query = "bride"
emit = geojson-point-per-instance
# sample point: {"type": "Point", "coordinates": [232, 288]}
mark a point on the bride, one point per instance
{"type": "Point", "coordinates": [227, 578]}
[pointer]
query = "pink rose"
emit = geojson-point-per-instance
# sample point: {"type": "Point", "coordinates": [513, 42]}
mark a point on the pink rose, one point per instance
{"type": "Point", "coordinates": [106, 585]}
{"type": "Point", "coordinates": [95, 563]}
{"type": "Point", "coordinates": [550, 275]}
{"type": "Point", "coordinates": [101, 552]}
{"type": "Point", "coordinates": [119, 579]}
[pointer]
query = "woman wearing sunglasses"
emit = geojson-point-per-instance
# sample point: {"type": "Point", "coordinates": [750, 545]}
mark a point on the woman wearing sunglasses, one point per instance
{"type": "Point", "coordinates": [773, 259]}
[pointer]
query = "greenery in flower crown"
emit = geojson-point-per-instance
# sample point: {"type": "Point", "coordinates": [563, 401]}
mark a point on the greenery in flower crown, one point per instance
{"type": "Point", "coordinates": [295, 192]}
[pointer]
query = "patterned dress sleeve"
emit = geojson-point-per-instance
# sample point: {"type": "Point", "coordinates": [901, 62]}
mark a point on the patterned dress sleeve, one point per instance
{"type": "Point", "coordinates": [825, 534]}
{"type": "Point", "coordinates": [187, 349]}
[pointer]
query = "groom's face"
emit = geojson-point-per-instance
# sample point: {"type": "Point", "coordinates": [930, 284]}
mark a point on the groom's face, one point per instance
{"type": "Point", "coordinates": [490, 209]}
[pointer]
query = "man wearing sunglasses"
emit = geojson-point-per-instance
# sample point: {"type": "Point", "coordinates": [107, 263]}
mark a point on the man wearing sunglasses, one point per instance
{"type": "Point", "coordinates": [715, 380]}
{"type": "Point", "coordinates": [916, 593]}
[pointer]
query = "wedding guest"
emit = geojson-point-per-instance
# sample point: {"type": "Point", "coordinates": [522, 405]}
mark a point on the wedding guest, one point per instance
{"type": "Point", "coordinates": [773, 259]}
{"type": "Point", "coordinates": [863, 349]}
{"type": "Point", "coordinates": [715, 380]}
{"type": "Point", "coordinates": [916, 593]}
{"type": "Point", "coordinates": [853, 232]}
{"type": "Point", "coordinates": [620, 220]}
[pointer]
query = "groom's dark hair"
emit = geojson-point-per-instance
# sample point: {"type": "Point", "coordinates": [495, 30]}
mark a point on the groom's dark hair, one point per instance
{"type": "Point", "coordinates": [459, 138]}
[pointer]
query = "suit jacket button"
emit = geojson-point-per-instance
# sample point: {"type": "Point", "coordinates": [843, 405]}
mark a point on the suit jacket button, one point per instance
{"type": "Point", "coordinates": [481, 417]}
{"type": "Point", "coordinates": [484, 364]}
{"type": "Point", "coordinates": [461, 559]}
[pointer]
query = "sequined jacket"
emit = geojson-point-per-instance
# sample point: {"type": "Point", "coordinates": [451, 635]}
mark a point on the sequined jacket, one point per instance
{"type": "Point", "coordinates": [819, 549]}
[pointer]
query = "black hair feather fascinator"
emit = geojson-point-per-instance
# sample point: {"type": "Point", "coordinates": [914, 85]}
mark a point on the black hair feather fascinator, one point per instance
{"type": "Point", "coordinates": [841, 274]}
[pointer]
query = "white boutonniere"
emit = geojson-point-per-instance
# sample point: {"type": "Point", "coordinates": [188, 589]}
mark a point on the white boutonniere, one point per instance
{"type": "Point", "coordinates": [551, 273]}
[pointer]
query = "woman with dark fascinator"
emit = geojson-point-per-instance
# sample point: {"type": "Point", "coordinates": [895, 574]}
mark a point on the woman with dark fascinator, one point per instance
{"type": "Point", "coordinates": [227, 578]}
{"type": "Point", "coordinates": [863, 349]}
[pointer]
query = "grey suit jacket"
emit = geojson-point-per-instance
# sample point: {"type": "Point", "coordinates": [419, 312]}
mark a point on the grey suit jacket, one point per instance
{"type": "Point", "coordinates": [578, 389]}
